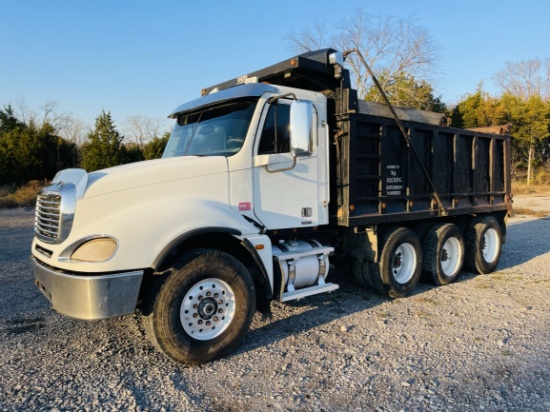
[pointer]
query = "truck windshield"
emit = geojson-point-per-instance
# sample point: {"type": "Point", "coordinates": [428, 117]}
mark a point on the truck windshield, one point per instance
{"type": "Point", "coordinates": [218, 130]}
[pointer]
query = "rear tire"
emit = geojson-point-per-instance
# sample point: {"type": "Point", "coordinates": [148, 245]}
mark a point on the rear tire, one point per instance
{"type": "Point", "coordinates": [443, 253]}
{"type": "Point", "coordinates": [483, 244]}
{"type": "Point", "coordinates": [361, 273]}
{"type": "Point", "coordinates": [201, 309]}
{"type": "Point", "coordinates": [400, 263]}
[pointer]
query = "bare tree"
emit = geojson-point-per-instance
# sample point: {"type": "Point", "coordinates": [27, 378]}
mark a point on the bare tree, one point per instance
{"type": "Point", "coordinates": [63, 124]}
{"type": "Point", "coordinates": [50, 115]}
{"type": "Point", "coordinates": [312, 39]}
{"type": "Point", "coordinates": [394, 48]}
{"type": "Point", "coordinates": [23, 112]}
{"type": "Point", "coordinates": [525, 79]}
{"type": "Point", "coordinates": [143, 128]}
{"type": "Point", "coordinates": [74, 131]}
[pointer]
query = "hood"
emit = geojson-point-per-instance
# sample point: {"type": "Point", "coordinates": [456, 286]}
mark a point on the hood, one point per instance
{"type": "Point", "coordinates": [151, 173]}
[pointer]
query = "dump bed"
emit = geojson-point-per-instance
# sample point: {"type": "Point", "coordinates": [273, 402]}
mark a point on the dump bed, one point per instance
{"type": "Point", "coordinates": [379, 179]}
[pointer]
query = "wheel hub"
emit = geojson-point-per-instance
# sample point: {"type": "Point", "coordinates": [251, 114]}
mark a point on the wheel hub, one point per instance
{"type": "Point", "coordinates": [444, 255]}
{"type": "Point", "coordinates": [397, 261]}
{"type": "Point", "coordinates": [207, 309]}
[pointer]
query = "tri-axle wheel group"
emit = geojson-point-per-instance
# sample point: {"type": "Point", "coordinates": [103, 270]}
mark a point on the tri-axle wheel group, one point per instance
{"type": "Point", "coordinates": [439, 255]}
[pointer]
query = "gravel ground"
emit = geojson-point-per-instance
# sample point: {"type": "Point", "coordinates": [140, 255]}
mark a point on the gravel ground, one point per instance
{"type": "Point", "coordinates": [481, 343]}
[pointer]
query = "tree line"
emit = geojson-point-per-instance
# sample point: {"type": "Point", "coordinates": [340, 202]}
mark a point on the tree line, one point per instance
{"type": "Point", "coordinates": [34, 150]}
{"type": "Point", "coordinates": [402, 55]}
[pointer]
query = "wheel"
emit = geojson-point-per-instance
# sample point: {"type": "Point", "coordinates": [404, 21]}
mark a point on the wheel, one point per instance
{"type": "Point", "coordinates": [483, 244]}
{"type": "Point", "coordinates": [443, 253]}
{"type": "Point", "coordinates": [400, 263]}
{"type": "Point", "coordinates": [202, 308]}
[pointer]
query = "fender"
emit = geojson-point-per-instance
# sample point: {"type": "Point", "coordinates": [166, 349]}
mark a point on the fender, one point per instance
{"type": "Point", "coordinates": [262, 260]}
{"type": "Point", "coordinates": [188, 235]}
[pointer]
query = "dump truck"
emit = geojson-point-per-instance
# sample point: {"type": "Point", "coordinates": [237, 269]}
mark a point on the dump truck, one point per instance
{"type": "Point", "coordinates": [268, 182]}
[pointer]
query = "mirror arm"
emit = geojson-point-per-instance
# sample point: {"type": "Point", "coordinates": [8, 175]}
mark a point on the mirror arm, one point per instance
{"type": "Point", "coordinates": [292, 166]}
{"type": "Point", "coordinates": [274, 99]}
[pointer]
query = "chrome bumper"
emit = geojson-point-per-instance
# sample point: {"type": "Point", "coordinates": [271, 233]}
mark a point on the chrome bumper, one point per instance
{"type": "Point", "coordinates": [89, 297]}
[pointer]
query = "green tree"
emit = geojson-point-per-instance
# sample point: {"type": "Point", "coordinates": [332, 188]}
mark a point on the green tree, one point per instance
{"type": "Point", "coordinates": [9, 144]}
{"type": "Point", "coordinates": [104, 145]}
{"type": "Point", "coordinates": [131, 153]}
{"type": "Point", "coordinates": [28, 152]}
{"type": "Point", "coordinates": [477, 110]}
{"type": "Point", "coordinates": [8, 120]}
{"type": "Point", "coordinates": [155, 147]}
{"type": "Point", "coordinates": [526, 95]}
{"type": "Point", "coordinates": [531, 123]}
{"type": "Point", "coordinates": [405, 90]}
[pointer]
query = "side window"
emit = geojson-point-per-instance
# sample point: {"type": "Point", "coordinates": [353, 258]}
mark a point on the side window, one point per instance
{"type": "Point", "coordinates": [275, 136]}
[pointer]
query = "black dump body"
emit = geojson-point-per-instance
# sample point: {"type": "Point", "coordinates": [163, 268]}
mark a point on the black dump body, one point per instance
{"type": "Point", "coordinates": [375, 176]}
{"type": "Point", "coordinates": [381, 180]}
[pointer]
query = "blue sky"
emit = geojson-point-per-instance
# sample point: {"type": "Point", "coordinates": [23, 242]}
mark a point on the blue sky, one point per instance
{"type": "Point", "coordinates": [145, 57]}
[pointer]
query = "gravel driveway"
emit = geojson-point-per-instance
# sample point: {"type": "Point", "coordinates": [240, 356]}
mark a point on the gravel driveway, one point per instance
{"type": "Point", "coordinates": [479, 344]}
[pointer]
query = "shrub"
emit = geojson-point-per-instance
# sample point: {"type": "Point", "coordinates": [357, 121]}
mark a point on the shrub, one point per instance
{"type": "Point", "coordinates": [22, 197]}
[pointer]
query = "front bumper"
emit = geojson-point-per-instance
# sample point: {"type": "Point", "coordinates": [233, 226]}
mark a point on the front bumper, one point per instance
{"type": "Point", "coordinates": [89, 297]}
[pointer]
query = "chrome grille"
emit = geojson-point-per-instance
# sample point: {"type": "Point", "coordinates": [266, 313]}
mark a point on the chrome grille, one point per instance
{"type": "Point", "coordinates": [48, 216]}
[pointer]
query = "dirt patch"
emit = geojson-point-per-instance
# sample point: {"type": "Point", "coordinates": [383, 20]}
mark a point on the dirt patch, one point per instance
{"type": "Point", "coordinates": [538, 206]}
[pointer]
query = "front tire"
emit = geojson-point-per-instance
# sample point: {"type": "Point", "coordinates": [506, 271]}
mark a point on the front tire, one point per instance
{"type": "Point", "coordinates": [202, 308]}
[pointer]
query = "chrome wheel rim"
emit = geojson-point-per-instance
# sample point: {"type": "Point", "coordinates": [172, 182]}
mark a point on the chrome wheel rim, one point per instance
{"type": "Point", "coordinates": [207, 309]}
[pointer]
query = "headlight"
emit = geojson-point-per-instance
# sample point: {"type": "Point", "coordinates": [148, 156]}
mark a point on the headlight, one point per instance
{"type": "Point", "coordinates": [99, 249]}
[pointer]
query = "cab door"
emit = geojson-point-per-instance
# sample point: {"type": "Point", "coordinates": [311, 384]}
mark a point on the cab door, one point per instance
{"type": "Point", "coordinates": [286, 179]}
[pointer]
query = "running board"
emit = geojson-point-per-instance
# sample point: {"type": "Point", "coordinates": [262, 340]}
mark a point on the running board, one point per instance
{"type": "Point", "coordinates": [312, 290]}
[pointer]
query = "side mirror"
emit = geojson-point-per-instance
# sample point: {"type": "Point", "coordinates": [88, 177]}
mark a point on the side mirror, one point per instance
{"type": "Point", "coordinates": [300, 128]}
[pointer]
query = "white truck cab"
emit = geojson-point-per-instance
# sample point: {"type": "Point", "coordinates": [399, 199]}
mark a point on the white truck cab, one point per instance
{"type": "Point", "coordinates": [239, 162]}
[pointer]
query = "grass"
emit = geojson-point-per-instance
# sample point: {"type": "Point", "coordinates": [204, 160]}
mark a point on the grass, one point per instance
{"type": "Point", "coordinates": [23, 197]}
{"type": "Point", "coordinates": [527, 211]}
{"type": "Point", "coordinates": [521, 188]}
